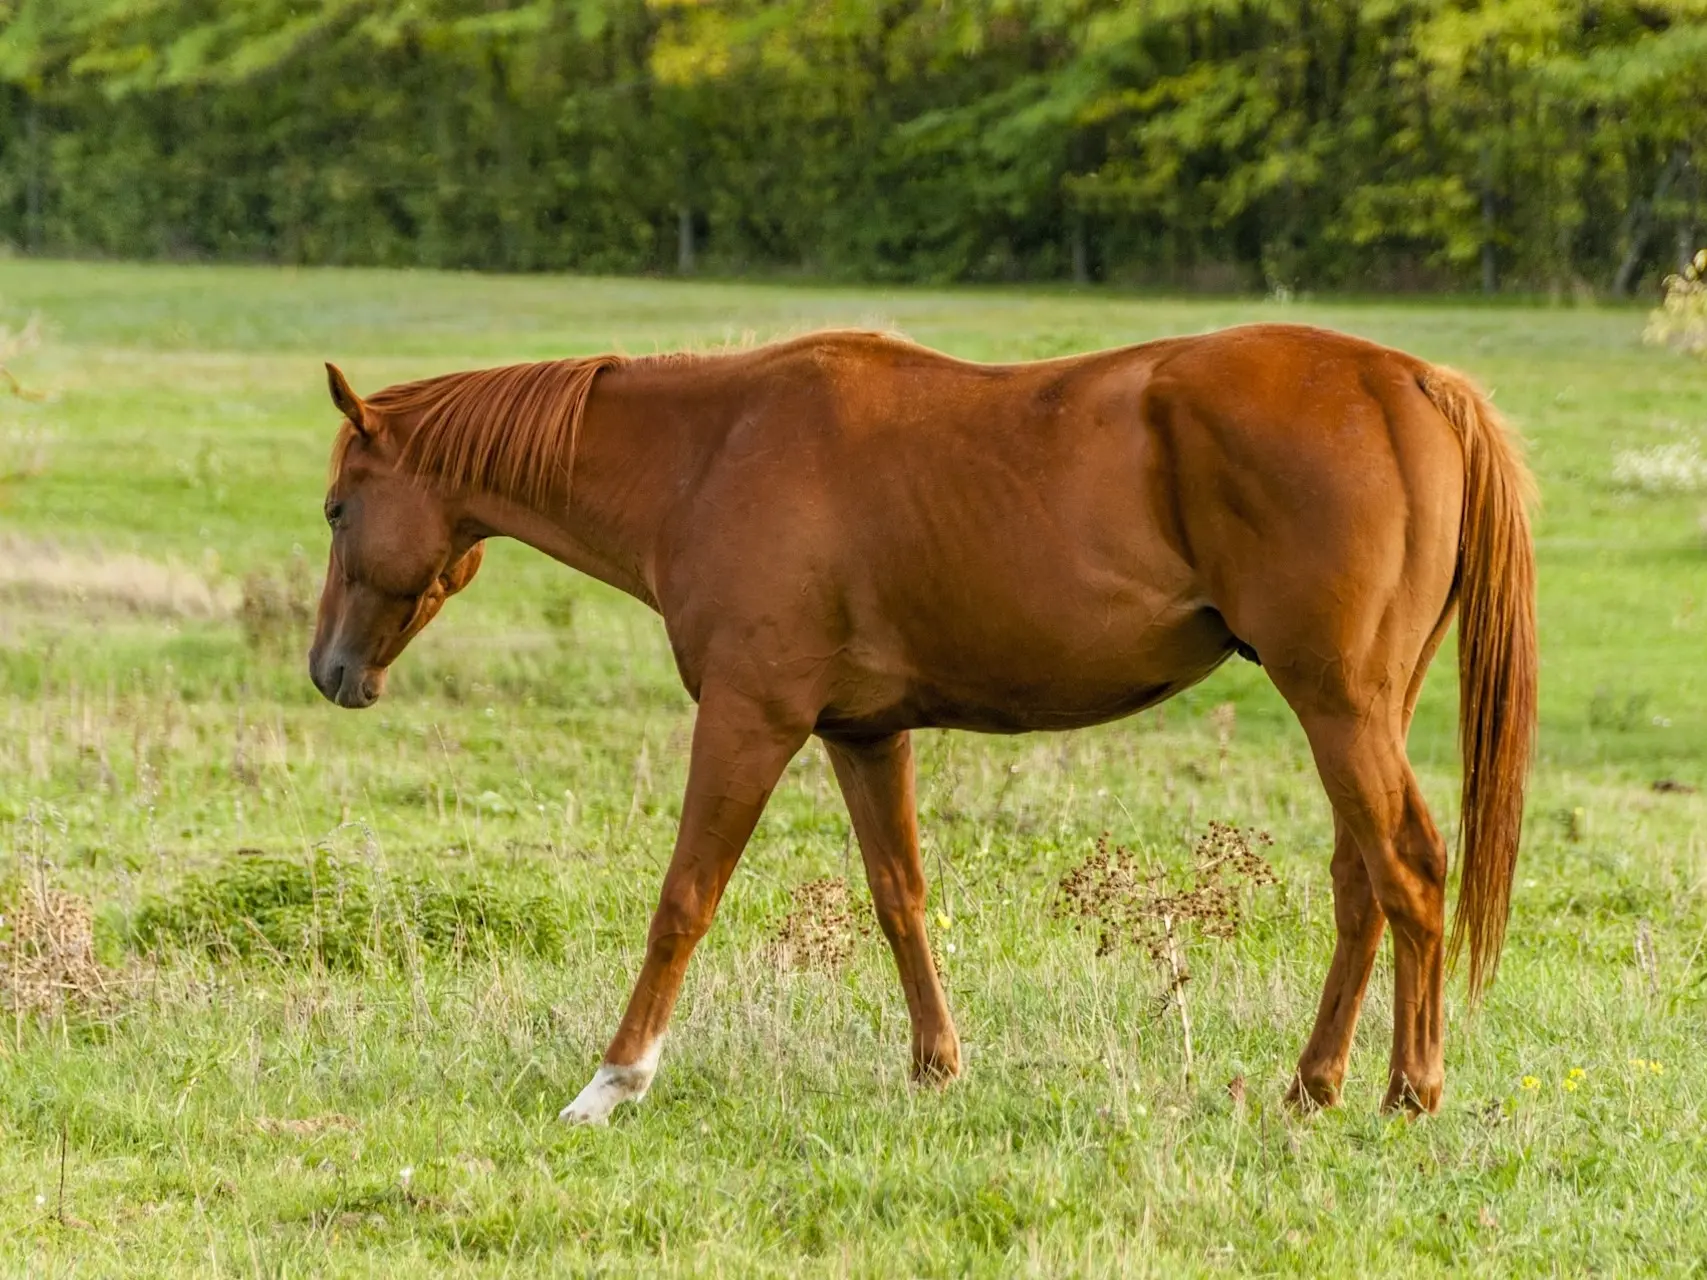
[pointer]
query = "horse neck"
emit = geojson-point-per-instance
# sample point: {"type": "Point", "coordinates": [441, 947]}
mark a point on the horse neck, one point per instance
{"type": "Point", "coordinates": [645, 432]}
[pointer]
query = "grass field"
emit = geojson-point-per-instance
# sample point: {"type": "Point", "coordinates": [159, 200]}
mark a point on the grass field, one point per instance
{"type": "Point", "coordinates": [352, 965]}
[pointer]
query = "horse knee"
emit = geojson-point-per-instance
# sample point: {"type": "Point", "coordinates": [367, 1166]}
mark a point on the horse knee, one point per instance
{"type": "Point", "coordinates": [678, 924]}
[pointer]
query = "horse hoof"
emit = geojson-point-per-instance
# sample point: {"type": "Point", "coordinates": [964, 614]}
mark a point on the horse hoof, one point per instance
{"type": "Point", "coordinates": [937, 1066]}
{"type": "Point", "coordinates": [1308, 1096]}
{"type": "Point", "coordinates": [609, 1088]}
{"type": "Point", "coordinates": [1412, 1100]}
{"type": "Point", "coordinates": [578, 1113]}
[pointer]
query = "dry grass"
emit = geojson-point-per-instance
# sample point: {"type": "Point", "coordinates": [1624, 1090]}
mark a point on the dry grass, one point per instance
{"type": "Point", "coordinates": [278, 608]}
{"type": "Point", "coordinates": [308, 1126]}
{"type": "Point", "coordinates": [1666, 468]}
{"type": "Point", "coordinates": [45, 572]}
{"type": "Point", "coordinates": [47, 951]}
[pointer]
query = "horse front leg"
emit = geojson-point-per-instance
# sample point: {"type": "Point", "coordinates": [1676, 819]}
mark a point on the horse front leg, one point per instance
{"type": "Point", "coordinates": [740, 749]}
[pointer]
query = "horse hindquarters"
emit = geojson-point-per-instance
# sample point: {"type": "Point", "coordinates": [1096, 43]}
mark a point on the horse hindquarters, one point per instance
{"type": "Point", "coordinates": [1326, 531]}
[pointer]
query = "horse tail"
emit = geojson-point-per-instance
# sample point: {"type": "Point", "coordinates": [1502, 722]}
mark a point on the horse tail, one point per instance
{"type": "Point", "coordinates": [1497, 666]}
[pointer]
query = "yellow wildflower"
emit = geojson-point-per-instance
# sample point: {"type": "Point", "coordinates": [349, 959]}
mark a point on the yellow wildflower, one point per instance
{"type": "Point", "coordinates": [1577, 1073]}
{"type": "Point", "coordinates": [1568, 1084]}
{"type": "Point", "coordinates": [1657, 1068]}
{"type": "Point", "coordinates": [942, 920]}
{"type": "Point", "coordinates": [1530, 1083]}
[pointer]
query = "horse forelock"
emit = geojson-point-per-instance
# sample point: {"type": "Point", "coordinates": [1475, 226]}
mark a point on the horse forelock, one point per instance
{"type": "Point", "coordinates": [510, 431]}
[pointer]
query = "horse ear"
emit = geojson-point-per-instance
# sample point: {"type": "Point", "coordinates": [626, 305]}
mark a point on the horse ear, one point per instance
{"type": "Point", "coordinates": [348, 402]}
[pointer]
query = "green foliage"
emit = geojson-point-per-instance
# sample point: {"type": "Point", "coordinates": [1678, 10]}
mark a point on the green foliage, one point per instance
{"type": "Point", "coordinates": [1347, 143]}
{"type": "Point", "coordinates": [343, 915]}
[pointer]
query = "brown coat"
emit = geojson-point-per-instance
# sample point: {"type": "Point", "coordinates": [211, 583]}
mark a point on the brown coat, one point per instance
{"type": "Point", "coordinates": [853, 536]}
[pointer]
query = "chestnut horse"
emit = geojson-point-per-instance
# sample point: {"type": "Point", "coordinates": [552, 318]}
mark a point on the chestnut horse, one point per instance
{"type": "Point", "coordinates": [852, 536]}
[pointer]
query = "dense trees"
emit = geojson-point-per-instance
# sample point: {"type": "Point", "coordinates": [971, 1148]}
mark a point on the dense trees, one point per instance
{"type": "Point", "coordinates": [1282, 143]}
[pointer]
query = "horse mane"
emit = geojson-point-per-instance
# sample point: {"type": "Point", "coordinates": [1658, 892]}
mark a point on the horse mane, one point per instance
{"type": "Point", "coordinates": [511, 431]}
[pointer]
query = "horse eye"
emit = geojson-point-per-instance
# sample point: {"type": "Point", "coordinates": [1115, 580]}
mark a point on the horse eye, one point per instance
{"type": "Point", "coordinates": [334, 513]}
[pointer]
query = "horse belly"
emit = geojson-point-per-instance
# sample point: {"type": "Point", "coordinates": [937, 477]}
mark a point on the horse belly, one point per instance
{"type": "Point", "coordinates": [1063, 670]}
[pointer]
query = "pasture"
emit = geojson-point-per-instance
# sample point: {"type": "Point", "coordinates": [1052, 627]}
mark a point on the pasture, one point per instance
{"type": "Point", "coordinates": [347, 967]}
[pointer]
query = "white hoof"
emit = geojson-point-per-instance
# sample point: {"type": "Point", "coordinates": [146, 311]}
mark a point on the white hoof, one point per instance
{"type": "Point", "coordinates": [609, 1087]}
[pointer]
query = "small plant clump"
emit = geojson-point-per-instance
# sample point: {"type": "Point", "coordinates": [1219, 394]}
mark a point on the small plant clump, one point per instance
{"type": "Point", "coordinates": [14, 343]}
{"type": "Point", "coordinates": [24, 446]}
{"type": "Point", "coordinates": [1678, 467]}
{"type": "Point", "coordinates": [822, 930]}
{"type": "Point", "coordinates": [1128, 906]}
{"type": "Point", "coordinates": [1621, 712]}
{"type": "Point", "coordinates": [47, 951]}
{"type": "Point", "coordinates": [559, 614]}
{"type": "Point", "coordinates": [344, 915]}
{"type": "Point", "coordinates": [278, 607]}
{"type": "Point", "coordinates": [1680, 321]}
{"type": "Point", "coordinates": [24, 451]}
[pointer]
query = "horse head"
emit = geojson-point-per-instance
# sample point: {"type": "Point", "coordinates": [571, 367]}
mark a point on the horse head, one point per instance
{"type": "Point", "coordinates": [398, 554]}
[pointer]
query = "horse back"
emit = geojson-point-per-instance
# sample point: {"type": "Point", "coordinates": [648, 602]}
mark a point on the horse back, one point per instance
{"type": "Point", "coordinates": [1036, 545]}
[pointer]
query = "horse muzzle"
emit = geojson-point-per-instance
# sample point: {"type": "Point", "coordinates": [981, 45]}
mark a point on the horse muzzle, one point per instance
{"type": "Point", "coordinates": [354, 685]}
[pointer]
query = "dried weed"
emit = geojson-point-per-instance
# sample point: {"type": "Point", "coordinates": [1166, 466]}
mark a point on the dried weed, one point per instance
{"type": "Point", "coordinates": [278, 607]}
{"type": "Point", "coordinates": [47, 952]}
{"type": "Point", "coordinates": [307, 1127]}
{"type": "Point", "coordinates": [822, 930]}
{"type": "Point", "coordinates": [1126, 905]}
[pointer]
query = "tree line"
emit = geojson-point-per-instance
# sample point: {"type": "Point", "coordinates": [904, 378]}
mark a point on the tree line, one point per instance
{"type": "Point", "coordinates": [1533, 145]}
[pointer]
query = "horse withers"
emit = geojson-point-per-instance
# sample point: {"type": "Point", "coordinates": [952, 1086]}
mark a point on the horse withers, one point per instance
{"type": "Point", "coordinates": [852, 536]}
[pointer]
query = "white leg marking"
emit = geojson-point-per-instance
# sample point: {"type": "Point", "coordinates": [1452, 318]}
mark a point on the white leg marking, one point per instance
{"type": "Point", "coordinates": [611, 1084]}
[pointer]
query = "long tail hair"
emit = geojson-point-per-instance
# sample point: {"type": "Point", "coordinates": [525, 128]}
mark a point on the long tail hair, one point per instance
{"type": "Point", "coordinates": [1497, 666]}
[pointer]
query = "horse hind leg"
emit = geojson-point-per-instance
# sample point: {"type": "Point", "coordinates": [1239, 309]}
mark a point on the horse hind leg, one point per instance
{"type": "Point", "coordinates": [877, 781]}
{"type": "Point", "coordinates": [1381, 815]}
{"type": "Point", "coordinates": [1358, 923]}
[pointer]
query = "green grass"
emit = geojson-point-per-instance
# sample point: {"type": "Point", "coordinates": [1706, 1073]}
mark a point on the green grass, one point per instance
{"type": "Point", "coordinates": [482, 850]}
